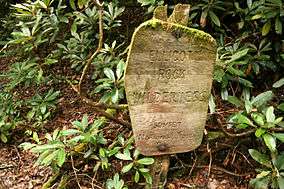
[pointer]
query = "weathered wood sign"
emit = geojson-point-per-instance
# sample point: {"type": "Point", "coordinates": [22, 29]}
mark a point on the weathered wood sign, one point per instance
{"type": "Point", "coordinates": [168, 81]}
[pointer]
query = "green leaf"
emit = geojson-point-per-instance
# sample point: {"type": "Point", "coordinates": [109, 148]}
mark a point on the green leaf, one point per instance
{"type": "Point", "coordinates": [147, 177]}
{"type": "Point", "coordinates": [115, 96]}
{"type": "Point", "coordinates": [120, 69]}
{"type": "Point", "coordinates": [218, 75]}
{"type": "Point", "coordinates": [26, 31]}
{"type": "Point", "coordinates": [270, 142]}
{"type": "Point", "coordinates": [242, 119]}
{"type": "Point", "coordinates": [30, 114]}
{"type": "Point", "coordinates": [214, 18]}
{"type": "Point", "coordinates": [262, 98]}
{"type": "Point", "coordinates": [69, 132]}
{"type": "Point", "coordinates": [279, 136]}
{"type": "Point", "coordinates": [41, 157]}
{"type": "Point", "coordinates": [48, 136]}
{"type": "Point", "coordinates": [234, 100]}
{"type": "Point", "coordinates": [278, 25]}
{"type": "Point", "coordinates": [146, 2]}
{"type": "Point", "coordinates": [258, 118]}
{"type": "Point", "coordinates": [260, 158]}
{"type": "Point", "coordinates": [35, 137]}
{"type": "Point", "coordinates": [136, 153]}
{"type": "Point", "coordinates": [39, 76]}
{"type": "Point", "coordinates": [256, 17]}
{"type": "Point", "coordinates": [43, 109]}
{"type": "Point", "coordinates": [3, 138]}
{"type": "Point", "coordinates": [48, 159]}
{"type": "Point", "coordinates": [144, 170]}
{"type": "Point", "coordinates": [279, 83]}
{"type": "Point", "coordinates": [212, 104]}
{"type": "Point", "coordinates": [125, 157]}
{"type": "Point", "coordinates": [260, 183]}
{"type": "Point", "coordinates": [281, 107]}
{"type": "Point", "coordinates": [74, 31]}
{"type": "Point", "coordinates": [52, 95]}
{"type": "Point", "coordinates": [109, 73]}
{"type": "Point", "coordinates": [280, 181]}
{"type": "Point", "coordinates": [278, 120]}
{"type": "Point", "coordinates": [259, 132]}
{"type": "Point", "coordinates": [270, 116]}
{"type": "Point", "coordinates": [263, 174]}
{"type": "Point", "coordinates": [82, 3]}
{"type": "Point", "coordinates": [85, 121]}
{"type": "Point", "coordinates": [249, 3]}
{"type": "Point", "coordinates": [72, 4]}
{"type": "Point", "coordinates": [281, 124]}
{"type": "Point", "coordinates": [146, 161]}
{"type": "Point", "coordinates": [248, 106]}
{"type": "Point", "coordinates": [27, 145]}
{"type": "Point", "coordinates": [238, 55]}
{"type": "Point", "coordinates": [224, 94]}
{"type": "Point", "coordinates": [42, 4]}
{"type": "Point", "coordinates": [136, 177]}
{"type": "Point", "coordinates": [235, 72]}
{"type": "Point", "coordinates": [46, 147]}
{"type": "Point", "coordinates": [61, 156]}
{"type": "Point", "coordinates": [266, 28]}
{"type": "Point", "coordinates": [246, 82]}
{"type": "Point", "coordinates": [279, 162]}
{"type": "Point", "coordinates": [127, 168]}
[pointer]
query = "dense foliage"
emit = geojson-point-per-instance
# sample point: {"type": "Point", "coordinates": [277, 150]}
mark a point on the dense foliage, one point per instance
{"type": "Point", "coordinates": [44, 38]}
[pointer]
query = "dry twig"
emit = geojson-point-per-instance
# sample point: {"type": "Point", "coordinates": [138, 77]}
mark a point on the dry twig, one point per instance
{"type": "Point", "coordinates": [217, 169]}
{"type": "Point", "coordinates": [74, 170]}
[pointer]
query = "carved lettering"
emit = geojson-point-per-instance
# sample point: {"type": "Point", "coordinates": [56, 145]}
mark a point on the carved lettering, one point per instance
{"type": "Point", "coordinates": [170, 73]}
{"type": "Point", "coordinates": [140, 97]}
{"type": "Point", "coordinates": [166, 56]}
{"type": "Point", "coordinates": [165, 125]}
{"type": "Point", "coordinates": [175, 134]}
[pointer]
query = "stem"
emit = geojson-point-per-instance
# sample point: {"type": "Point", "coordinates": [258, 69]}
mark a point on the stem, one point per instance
{"type": "Point", "coordinates": [159, 171]}
{"type": "Point", "coordinates": [101, 33]}
{"type": "Point", "coordinates": [50, 181]}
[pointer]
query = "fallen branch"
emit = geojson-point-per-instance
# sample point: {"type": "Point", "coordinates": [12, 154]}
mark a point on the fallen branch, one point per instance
{"type": "Point", "coordinates": [97, 108]}
{"type": "Point", "coordinates": [103, 105]}
{"type": "Point", "coordinates": [97, 104]}
{"type": "Point", "coordinates": [111, 117]}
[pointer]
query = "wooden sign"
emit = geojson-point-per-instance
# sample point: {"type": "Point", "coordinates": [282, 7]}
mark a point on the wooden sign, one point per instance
{"type": "Point", "coordinates": [168, 82]}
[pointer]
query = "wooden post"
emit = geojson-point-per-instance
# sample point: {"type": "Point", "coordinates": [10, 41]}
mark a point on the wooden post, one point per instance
{"type": "Point", "coordinates": [159, 172]}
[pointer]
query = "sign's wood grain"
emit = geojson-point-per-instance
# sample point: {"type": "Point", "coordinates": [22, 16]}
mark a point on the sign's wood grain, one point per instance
{"type": "Point", "coordinates": [168, 82]}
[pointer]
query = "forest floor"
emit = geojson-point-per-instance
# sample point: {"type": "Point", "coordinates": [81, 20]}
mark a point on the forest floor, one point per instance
{"type": "Point", "coordinates": [223, 163]}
